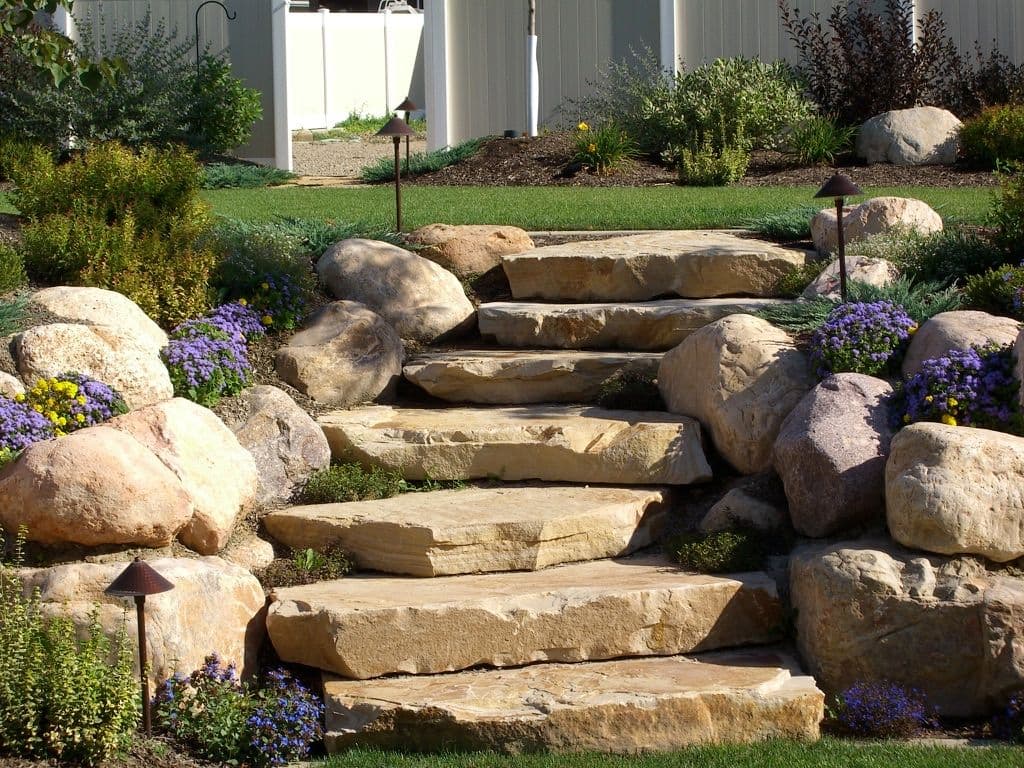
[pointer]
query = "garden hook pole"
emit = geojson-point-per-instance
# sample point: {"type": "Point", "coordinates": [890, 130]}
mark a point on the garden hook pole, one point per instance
{"type": "Point", "coordinates": [230, 16]}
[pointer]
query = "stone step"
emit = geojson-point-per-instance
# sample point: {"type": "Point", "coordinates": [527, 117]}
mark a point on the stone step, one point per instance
{"type": "Point", "coordinates": [367, 626]}
{"type": "Point", "coordinates": [569, 444]}
{"type": "Point", "coordinates": [512, 377]}
{"type": "Point", "coordinates": [626, 706]}
{"type": "Point", "coordinates": [480, 530]}
{"type": "Point", "coordinates": [651, 325]}
{"type": "Point", "coordinates": [695, 264]}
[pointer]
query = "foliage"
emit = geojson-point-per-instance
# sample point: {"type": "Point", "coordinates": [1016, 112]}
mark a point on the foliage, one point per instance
{"type": "Point", "coordinates": [242, 176]}
{"type": "Point", "coordinates": [721, 551]}
{"type": "Point", "coordinates": [1009, 723]}
{"type": "Point", "coordinates": [21, 425]}
{"type": "Point", "coordinates": [72, 401]}
{"type": "Point", "coordinates": [786, 226]}
{"type": "Point", "coordinates": [13, 151]}
{"type": "Point", "coordinates": [995, 136]}
{"type": "Point", "coordinates": [308, 566]}
{"type": "Point", "coordinates": [706, 166]}
{"type": "Point", "coordinates": [64, 696]}
{"type": "Point", "coordinates": [12, 315]}
{"type": "Point", "coordinates": [12, 269]}
{"type": "Point", "coordinates": [943, 257]}
{"type": "Point", "coordinates": [975, 387]}
{"type": "Point", "coordinates": [602, 148]}
{"type": "Point", "coordinates": [999, 291]}
{"type": "Point", "coordinates": [421, 162]}
{"type": "Point", "coordinates": [818, 139]}
{"type": "Point", "coordinates": [1008, 212]}
{"type": "Point", "coordinates": [363, 126]}
{"type": "Point", "coordinates": [792, 284]}
{"type": "Point", "coordinates": [882, 709]}
{"type": "Point", "coordinates": [7, 456]}
{"type": "Point", "coordinates": [983, 80]}
{"type": "Point", "coordinates": [631, 390]}
{"type": "Point", "coordinates": [220, 719]}
{"type": "Point", "coordinates": [352, 482]}
{"type": "Point", "coordinates": [860, 337]}
{"type": "Point", "coordinates": [220, 110]}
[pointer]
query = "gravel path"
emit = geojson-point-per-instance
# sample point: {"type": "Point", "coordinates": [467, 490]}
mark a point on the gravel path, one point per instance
{"type": "Point", "coordinates": [344, 158]}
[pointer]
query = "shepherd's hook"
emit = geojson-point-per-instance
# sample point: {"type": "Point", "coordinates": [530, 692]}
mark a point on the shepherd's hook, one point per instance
{"type": "Point", "coordinates": [231, 17]}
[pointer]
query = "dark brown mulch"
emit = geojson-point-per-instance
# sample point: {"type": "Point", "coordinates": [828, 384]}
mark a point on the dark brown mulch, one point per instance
{"type": "Point", "coordinates": [545, 161]}
{"type": "Point", "coordinates": [144, 753]}
{"type": "Point", "coordinates": [10, 229]}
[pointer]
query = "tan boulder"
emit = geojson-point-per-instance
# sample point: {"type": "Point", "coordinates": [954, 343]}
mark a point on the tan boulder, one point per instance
{"type": "Point", "coordinates": [956, 490]}
{"type": "Point", "coordinates": [960, 329]}
{"type": "Point", "coordinates": [248, 551]}
{"type": "Point", "coordinates": [513, 528]}
{"type": "Point", "coordinates": [596, 610]}
{"type": "Point", "coordinates": [873, 217]}
{"type": "Point", "coordinates": [10, 385]}
{"type": "Point", "coordinates": [94, 487]}
{"type": "Point", "coordinates": [554, 443]}
{"type": "Point", "coordinates": [870, 610]}
{"type": "Point", "coordinates": [345, 355]}
{"type": "Point", "coordinates": [99, 307]}
{"type": "Point", "coordinates": [861, 269]}
{"type": "Point", "coordinates": [217, 474]}
{"type": "Point", "coordinates": [915, 136]}
{"type": "Point", "coordinates": [469, 249]}
{"type": "Point", "coordinates": [420, 299]}
{"type": "Point", "coordinates": [738, 508]}
{"type": "Point", "coordinates": [109, 354]}
{"type": "Point", "coordinates": [508, 377]}
{"type": "Point", "coordinates": [648, 325]}
{"type": "Point", "coordinates": [626, 706]}
{"type": "Point", "coordinates": [739, 377]}
{"type": "Point", "coordinates": [691, 264]}
{"type": "Point", "coordinates": [214, 608]}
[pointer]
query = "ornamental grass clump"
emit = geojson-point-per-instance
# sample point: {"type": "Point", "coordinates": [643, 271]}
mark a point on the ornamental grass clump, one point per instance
{"type": "Point", "coordinates": [861, 337]}
{"type": "Point", "coordinates": [882, 709]}
{"type": "Point", "coordinates": [974, 387]}
{"type": "Point", "coordinates": [72, 401]}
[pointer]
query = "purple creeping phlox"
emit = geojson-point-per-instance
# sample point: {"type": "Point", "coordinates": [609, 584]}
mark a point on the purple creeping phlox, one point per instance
{"type": "Point", "coordinates": [236, 318]}
{"type": "Point", "coordinates": [21, 426]}
{"type": "Point", "coordinates": [207, 358]}
{"type": "Point", "coordinates": [974, 387]}
{"type": "Point", "coordinates": [883, 709]}
{"type": "Point", "coordinates": [860, 337]}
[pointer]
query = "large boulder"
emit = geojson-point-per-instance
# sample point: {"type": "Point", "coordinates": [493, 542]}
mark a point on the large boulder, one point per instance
{"type": "Point", "coordinates": [214, 608]}
{"type": "Point", "coordinates": [109, 354]}
{"type": "Point", "coordinates": [957, 490]}
{"type": "Point", "coordinates": [863, 269]}
{"type": "Point", "coordinates": [740, 377]}
{"type": "Point", "coordinates": [915, 136]}
{"type": "Point", "coordinates": [739, 508]}
{"type": "Point", "coordinates": [469, 249]}
{"type": "Point", "coordinates": [961, 329]}
{"type": "Point", "coordinates": [879, 215]}
{"type": "Point", "coordinates": [217, 474]}
{"type": "Point", "coordinates": [830, 454]}
{"type": "Point", "coordinates": [10, 386]}
{"type": "Point", "coordinates": [97, 486]}
{"type": "Point", "coordinates": [422, 300]}
{"type": "Point", "coordinates": [287, 445]}
{"type": "Point", "coordinates": [99, 307]}
{"type": "Point", "coordinates": [346, 355]}
{"type": "Point", "coordinates": [874, 611]}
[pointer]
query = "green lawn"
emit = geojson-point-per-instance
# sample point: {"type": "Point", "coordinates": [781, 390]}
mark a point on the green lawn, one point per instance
{"type": "Point", "coordinates": [541, 208]}
{"type": "Point", "coordinates": [828, 753]}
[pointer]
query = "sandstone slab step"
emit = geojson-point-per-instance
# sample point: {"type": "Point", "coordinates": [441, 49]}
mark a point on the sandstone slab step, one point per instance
{"type": "Point", "coordinates": [693, 264]}
{"type": "Point", "coordinates": [479, 530]}
{"type": "Point", "coordinates": [552, 443]}
{"type": "Point", "coordinates": [651, 325]}
{"type": "Point", "coordinates": [512, 377]}
{"type": "Point", "coordinates": [626, 706]}
{"type": "Point", "coordinates": [363, 627]}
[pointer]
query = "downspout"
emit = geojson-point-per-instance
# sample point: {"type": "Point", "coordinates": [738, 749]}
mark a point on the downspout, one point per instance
{"type": "Point", "coordinates": [532, 72]}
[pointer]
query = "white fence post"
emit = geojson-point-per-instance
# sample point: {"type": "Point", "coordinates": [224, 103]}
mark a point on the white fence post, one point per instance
{"type": "Point", "coordinates": [325, 48]}
{"type": "Point", "coordinates": [279, 52]}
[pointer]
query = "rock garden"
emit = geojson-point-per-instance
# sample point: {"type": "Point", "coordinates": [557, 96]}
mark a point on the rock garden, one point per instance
{"type": "Point", "coordinates": [467, 489]}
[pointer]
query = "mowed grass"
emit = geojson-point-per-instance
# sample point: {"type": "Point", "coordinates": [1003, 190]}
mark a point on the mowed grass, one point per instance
{"type": "Point", "coordinates": [827, 753]}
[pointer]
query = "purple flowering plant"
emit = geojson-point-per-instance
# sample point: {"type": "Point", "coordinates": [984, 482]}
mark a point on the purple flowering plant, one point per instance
{"type": "Point", "coordinates": [207, 358]}
{"type": "Point", "coordinates": [974, 387]}
{"type": "Point", "coordinates": [73, 401]}
{"type": "Point", "coordinates": [285, 720]}
{"type": "Point", "coordinates": [1009, 723]}
{"type": "Point", "coordinates": [861, 337]}
{"type": "Point", "coordinates": [882, 709]}
{"type": "Point", "coordinates": [21, 425]}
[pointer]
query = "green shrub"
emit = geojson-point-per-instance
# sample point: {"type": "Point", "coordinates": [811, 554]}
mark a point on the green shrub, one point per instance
{"type": "Point", "coordinates": [221, 110]}
{"type": "Point", "coordinates": [13, 151]}
{"type": "Point", "coordinates": [70, 698]}
{"type": "Point", "coordinates": [944, 257]}
{"type": "Point", "coordinates": [818, 140]}
{"type": "Point", "coordinates": [317, 235]}
{"type": "Point", "coordinates": [240, 176]}
{"type": "Point", "coordinates": [420, 162]}
{"type": "Point", "coordinates": [351, 482]}
{"type": "Point", "coordinates": [1008, 213]}
{"type": "Point", "coordinates": [710, 167]}
{"type": "Point", "coordinates": [631, 391]}
{"type": "Point", "coordinates": [721, 552]}
{"type": "Point", "coordinates": [602, 148]}
{"type": "Point", "coordinates": [998, 291]}
{"type": "Point", "coordinates": [12, 315]}
{"type": "Point", "coordinates": [308, 566]}
{"type": "Point", "coordinates": [995, 136]}
{"type": "Point", "coordinates": [785, 226]}
{"type": "Point", "coordinates": [792, 284]}
{"type": "Point", "coordinates": [12, 269]}
{"type": "Point", "coordinates": [7, 455]}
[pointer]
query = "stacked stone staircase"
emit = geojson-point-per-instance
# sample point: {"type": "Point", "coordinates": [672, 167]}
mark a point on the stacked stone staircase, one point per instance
{"type": "Point", "coordinates": [526, 616]}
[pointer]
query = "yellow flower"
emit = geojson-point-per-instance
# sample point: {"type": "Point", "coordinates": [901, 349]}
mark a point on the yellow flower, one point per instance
{"type": "Point", "coordinates": [37, 408]}
{"type": "Point", "coordinates": [912, 330]}
{"type": "Point", "coordinates": [20, 397]}
{"type": "Point", "coordinates": [267, 320]}
{"type": "Point", "coordinates": [81, 399]}
{"type": "Point", "coordinates": [80, 417]}
{"type": "Point", "coordinates": [583, 127]}
{"type": "Point", "coordinates": [265, 286]}
{"type": "Point", "coordinates": [952, 402]}
{"type": "Point", "coordinates": [906, 418]}
{"type": "Point", "coordinates": [948, 419]}
{"type": "Point", "coordinates": [243, 302]}
{"type": "Point", "coordinates": [928, 399]}
{"type": "Point", "coordinates": [591, 147]}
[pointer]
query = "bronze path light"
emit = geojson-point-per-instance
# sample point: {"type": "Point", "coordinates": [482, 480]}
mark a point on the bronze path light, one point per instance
{"type": "Point", "coordinates": [396, 128]}
{"type": "Point", "coordinates": [408, 107]}
{"type": "Point", "coordinates": [839, 187]}
{"type": "Point", "coordinates": [139, 580]}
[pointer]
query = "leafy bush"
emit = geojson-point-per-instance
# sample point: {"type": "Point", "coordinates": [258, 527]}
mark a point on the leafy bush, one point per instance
{"type": "Point", "coordinates": [72, 401]}
{"type": "Point", "coordinates": [308, 566]}
{"type": "Point", "coordinates": [240, 176]}
{"type": "Point", "coordinates": [944, 257]}
{"type": "Point", "coordinates": [973, 388]}
{"type": "Point", "coordinates": [721, 551]}
{"type": "Point", "coordinates": [792, 284]}
{"type": "Point", "coordinates": [421, 162]}
{"type": "Point", "coordinates": [632, 391]}
{"type": "Point", "coordinates": [12, 269]}
{"type": "Point", "coordinates": [860, 337]}
{"type": "Point", "coordinates": [785, 226]}
{"type": "Point", "coordinates": [21, 425]}
{"type": "Point", "coordinates": [983, 80]}
{"type": "Point", "coordinates": [818, 139]}
{"type": "Point", "coordinates": [220, 719]}
{"type": "Point", "coordinates": [62, 696]}
{"type": "Point", "coordinates": [220, 110]}
{"type": "Point", "coordinates": [351, 482]}
{"type": "Point", "coordinates": [999, 291]}
{"type": "Point", "coordinates": [13, 151]}
{"type": "Point", "coordinates": [995, 136]}
{"type": "Point", "coordinates": [1008, 213]}
{"type": "Point", "coordinates": [710, 167]}
{"type": "Point", "coordinates": [601, 149]}
{"type": "Point", "coordinates": [882, 709]}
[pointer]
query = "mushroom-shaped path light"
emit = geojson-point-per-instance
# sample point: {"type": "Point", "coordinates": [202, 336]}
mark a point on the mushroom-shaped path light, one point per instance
{"type": "Point", "coordinates": [396, 127]}
{"type": "Point", "coordinates": [839, 187]}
